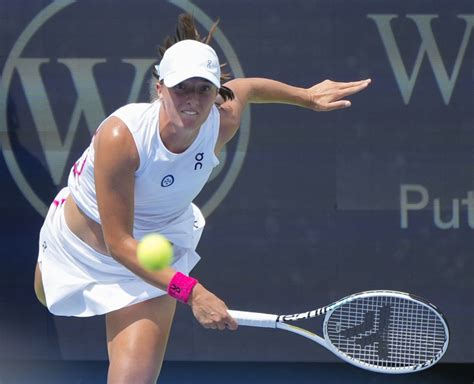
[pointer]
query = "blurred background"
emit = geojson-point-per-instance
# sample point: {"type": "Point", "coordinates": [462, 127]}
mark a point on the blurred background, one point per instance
{"type": "Point", "coordinates": [305, 207]}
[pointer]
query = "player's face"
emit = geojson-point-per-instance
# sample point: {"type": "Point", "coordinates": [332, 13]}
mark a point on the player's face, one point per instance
{"type": "Point", "coordinates": [189, 102]}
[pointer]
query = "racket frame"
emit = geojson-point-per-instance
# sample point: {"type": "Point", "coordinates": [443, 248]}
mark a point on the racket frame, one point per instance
{"type": "Point", "coordinates": [264, 320]}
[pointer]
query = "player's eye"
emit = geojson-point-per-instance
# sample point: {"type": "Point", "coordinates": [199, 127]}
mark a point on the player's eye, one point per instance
{"type": "Point", "coordinates": [205, 89]}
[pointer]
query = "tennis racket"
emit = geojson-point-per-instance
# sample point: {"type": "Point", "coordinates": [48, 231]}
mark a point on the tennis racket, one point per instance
{"type": "Point", "coordinates": [381, 331]}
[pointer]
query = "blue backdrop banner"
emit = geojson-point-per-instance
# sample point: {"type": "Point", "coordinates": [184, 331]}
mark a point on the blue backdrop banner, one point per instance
{"type": "Point", "coordinates": [305, 207]}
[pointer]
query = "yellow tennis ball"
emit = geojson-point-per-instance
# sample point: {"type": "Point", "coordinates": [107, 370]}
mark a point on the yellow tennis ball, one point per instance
{"type": "Point", "coordinates": [154, 252]}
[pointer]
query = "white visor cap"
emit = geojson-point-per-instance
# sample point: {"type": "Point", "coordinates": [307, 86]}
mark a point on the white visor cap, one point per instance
{"type": "Point", "coordinates": [189, 58]}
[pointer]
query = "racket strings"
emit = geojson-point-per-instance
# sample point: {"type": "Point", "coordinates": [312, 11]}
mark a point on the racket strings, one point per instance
{"type": "Point", "coordinates": [391, 332]}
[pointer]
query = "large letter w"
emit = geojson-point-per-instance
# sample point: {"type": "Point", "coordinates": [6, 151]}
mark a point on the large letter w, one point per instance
{"type": "Point", "coordinates": [429, 47]}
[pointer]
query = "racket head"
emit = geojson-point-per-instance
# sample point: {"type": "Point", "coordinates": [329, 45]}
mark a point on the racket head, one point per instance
{"type": "Point", "coordinates": [386, 331]}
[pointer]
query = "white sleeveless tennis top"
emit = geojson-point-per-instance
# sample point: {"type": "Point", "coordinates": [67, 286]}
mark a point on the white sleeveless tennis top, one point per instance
{"type": "Point", "coordinates": [166, 183]}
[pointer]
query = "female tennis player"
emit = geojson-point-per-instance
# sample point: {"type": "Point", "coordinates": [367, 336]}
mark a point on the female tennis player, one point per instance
{"type": "Point", "coordinates": [140, 174]}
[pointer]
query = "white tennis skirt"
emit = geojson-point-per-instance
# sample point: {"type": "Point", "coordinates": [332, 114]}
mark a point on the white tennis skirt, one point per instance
{"type": "Point", "coordinates": [79, 281]}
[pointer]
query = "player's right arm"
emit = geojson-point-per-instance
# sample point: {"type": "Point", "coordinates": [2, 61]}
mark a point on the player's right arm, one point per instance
{"type": "Point", "coordinates": [115, 163]}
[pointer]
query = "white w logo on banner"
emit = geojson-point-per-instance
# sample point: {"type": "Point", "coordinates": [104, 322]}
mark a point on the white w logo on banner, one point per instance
{"type": "Point", "coordinates": [428, 47]}
{"type": "Point", "coordinates": [88, 104]}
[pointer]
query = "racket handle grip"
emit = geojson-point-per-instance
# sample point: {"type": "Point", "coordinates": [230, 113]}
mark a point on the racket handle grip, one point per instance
{"type": "Point", "coordinates": [254, 319]}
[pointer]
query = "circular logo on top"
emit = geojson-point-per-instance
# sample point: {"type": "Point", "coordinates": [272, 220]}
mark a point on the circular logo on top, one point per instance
{"type": "Point", "coordinates": [167, 181]}
{"type": "Point", "coordinates": [59, 85]}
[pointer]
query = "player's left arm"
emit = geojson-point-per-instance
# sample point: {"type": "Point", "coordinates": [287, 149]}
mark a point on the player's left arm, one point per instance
{"type": "Point", "coordinates": [325, 96]}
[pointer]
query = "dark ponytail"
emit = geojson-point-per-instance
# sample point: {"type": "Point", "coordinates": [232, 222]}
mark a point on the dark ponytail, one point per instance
{"type": "Point", "coordinates": [186, 30]}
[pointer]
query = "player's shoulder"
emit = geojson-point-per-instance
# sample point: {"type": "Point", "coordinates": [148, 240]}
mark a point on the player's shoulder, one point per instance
{"type": "Point", "coordinates": [138, 116]}
{"type": "Point", "coordinates": [229, 123]}
{"type": "Point", "coordinates": [113, 129]}
{"type": "Point", "coordinates": [114, 140]}
{"type": "Point", "coordinates": [132, 108]}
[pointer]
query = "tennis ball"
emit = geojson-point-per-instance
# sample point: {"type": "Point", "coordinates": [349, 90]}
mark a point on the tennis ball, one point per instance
{"type": "Point", "coordinates": [154, 252]}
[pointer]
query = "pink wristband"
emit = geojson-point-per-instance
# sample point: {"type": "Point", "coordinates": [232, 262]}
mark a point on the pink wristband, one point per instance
{"type": "Point", "coordinates": [180, 287]}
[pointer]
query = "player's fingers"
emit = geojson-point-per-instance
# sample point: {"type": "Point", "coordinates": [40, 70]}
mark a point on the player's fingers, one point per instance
{"type": "Point", "coordinates": [344, 90]}
{"type": "Point", "coordinates": [223, 320]}
{"type": "Point", "coordinates": [216, 321]}
{"type": "Point", "coordinates": [351, 90]}
{"type": "Point", "coordinates": [208, 324]}
{"type": "Point", "coordinates": [337, 105]}
{"type": "Point", "coordinates": [221, 326]}
{"type": "Point", "coordinates": [230, 323]}
{"type": "Point", "coordinates": [232, 326]}
{"type": "Point", "coordinates": [359, 83]}
{"type": "Point", "coordinates": [207, 321]}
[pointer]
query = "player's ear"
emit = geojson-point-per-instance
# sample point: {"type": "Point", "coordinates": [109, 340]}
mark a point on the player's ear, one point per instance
{"type": "Point", "coordinates": [159, 90]}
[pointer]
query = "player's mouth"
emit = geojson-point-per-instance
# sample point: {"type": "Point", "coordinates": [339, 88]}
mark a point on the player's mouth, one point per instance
{"type": "Point", "coordinates": [189, 113]}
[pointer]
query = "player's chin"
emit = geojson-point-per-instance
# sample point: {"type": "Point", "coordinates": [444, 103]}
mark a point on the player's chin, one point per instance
{"type": "Point", "coordinates": [191, 121]}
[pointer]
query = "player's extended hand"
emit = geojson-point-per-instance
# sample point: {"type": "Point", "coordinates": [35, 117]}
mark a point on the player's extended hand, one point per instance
{"type": "Point", "coordinates": [330, 95]}
{"type": "Point", "coordinates": [209, 310]}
